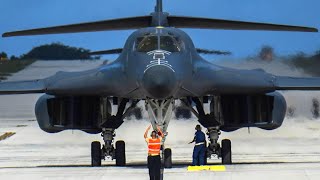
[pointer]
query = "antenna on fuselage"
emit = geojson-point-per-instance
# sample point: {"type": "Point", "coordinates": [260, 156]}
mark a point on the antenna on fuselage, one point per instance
{"type": "Point", "coordinates": [159, 7]}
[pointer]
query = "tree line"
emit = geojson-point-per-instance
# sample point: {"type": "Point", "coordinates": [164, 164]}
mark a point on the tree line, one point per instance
{"type": "Point", "coordinates": [308, 63]}
{"type": "Point", "coordinates": [54, 51]}
{"type": "Point", "coordinates": [58, 51]}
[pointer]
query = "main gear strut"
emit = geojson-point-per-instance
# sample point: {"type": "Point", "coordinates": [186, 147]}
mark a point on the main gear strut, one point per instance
{"type": "Point", "coordinates": [108, 150]}
{"type": "Point", "coordinates": [109, 124]}
{"type": "Point", "coordinates": [212, 121]}
{"type": "Point", "coordinates": [214, 147]}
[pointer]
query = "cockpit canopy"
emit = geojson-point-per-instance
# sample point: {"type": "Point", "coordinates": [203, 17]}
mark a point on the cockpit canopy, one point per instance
{"type": "Point", "coordinates": [153, 42]}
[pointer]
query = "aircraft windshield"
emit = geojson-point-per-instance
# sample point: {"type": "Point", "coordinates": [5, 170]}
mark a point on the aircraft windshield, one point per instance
{"type": "Point", "coordinates": [168, 43]}
{"type": "Point", "coordinates": [150, 43]}
{"type": "Point", "coordinates": [147, 43]}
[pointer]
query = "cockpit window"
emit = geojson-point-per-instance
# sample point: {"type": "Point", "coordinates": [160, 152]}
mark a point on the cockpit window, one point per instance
{"type": "Point", "coordinates": [168, 43]}
{"type": "Point", "coordinates": [147, 43]}
{"type": "Point", "coordinates": [150, 43]}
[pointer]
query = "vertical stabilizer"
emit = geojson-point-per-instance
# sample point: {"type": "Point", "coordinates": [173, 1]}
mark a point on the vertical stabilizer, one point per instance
{"type": "Point", "coordinates": [159, 6]}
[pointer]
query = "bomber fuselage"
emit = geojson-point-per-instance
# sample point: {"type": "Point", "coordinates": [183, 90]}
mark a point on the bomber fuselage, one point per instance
{"type": "Point", "coordinates": [159, 61]}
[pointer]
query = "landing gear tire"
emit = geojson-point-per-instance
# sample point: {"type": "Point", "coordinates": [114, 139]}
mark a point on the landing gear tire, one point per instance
{"type": "Point", "coordinates": [206, 157]}
{"type": "Point", "coordinates": [120, 153]}
{"type": "Point", "coordinates": [95, 154]}
{"type": "Point", "coordinates": [167, 158]}
{"type": "Point", "coordinates": [226, 153]}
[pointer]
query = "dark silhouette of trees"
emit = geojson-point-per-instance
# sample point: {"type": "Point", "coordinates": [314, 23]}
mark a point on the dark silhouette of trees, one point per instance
{"type": "Point", "coordinates": [57, 51]}
{"type": "Point", "coordinates": [3, 55]}
{"type": "Point", "coordinates": [310, 64]}
{"type": "Point", "coordinates": [14, 57]}
{"type": "Point", "coordinates": [266, 53]}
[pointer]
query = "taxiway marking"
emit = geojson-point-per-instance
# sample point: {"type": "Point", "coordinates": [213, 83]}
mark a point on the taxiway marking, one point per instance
{"type": "Point", "coordinates": [206, 168]}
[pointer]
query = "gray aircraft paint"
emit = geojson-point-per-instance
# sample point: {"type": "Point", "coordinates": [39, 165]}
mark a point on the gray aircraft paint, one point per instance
{"type": "Point", "coordinates": [194, 76]}
{"type": "Point", "coordinates": [160, 74]}
{"type": "Point", "coordinates": [159, 64]}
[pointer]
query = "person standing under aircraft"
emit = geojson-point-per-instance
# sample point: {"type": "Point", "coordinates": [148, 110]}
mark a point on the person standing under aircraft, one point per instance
{"type": "Point", "coordinates": [199, 150]}
{"type": "Point", "coordinates": [154, 147]}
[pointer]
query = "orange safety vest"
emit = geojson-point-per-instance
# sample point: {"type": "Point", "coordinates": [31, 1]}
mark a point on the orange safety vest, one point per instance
{"type": "Point", "coordinates": [154, 146]}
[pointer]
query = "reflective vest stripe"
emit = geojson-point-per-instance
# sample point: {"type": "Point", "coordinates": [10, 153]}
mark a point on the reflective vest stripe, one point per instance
{"type": "Point", "coordinates": [153, 149]}
{"type": "Point", "coordinates": [153, 143]}
{"type": "Point", "coordinates": [154, 146]}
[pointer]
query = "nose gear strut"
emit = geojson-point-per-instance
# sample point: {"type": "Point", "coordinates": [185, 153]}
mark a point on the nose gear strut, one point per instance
{"type": "Point", "coordinates": [160, 113]}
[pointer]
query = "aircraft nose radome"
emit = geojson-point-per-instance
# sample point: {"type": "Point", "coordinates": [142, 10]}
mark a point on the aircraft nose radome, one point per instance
{"type": "Point", "coordinates": [159, 82]}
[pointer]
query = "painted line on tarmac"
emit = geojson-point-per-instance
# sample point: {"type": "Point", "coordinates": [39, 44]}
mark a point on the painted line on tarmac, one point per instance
{"type": "Point", "coordinates": [207, 168]}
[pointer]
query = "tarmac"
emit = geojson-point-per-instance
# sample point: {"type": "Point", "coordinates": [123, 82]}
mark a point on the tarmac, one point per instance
{"type": "Point", "coordinates": [290, 152]}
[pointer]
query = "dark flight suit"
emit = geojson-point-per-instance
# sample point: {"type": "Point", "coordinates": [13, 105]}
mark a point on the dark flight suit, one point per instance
{"type": "Point", "coordinates": [199, 149]}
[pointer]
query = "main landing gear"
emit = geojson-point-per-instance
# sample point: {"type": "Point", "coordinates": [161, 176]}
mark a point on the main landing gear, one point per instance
{"type": "Point", "coordinates": [222, 151]}
{"type": "Point", "coordinates": [212, 121]}
{"type": "Point", "coordinates": [108, 151]}
{"type": "Point", "coordinates": [109, 124]}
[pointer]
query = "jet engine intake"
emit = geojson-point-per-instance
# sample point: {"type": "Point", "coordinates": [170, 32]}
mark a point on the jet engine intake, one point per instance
{"type": "Point", "coordinates": [263, 111]}
{"type": "Point", "coordinates": [55, 114]}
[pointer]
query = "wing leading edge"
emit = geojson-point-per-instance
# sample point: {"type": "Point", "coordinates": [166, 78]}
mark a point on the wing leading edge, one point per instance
{"type": "Point", "coordinates": [297, 83]}
{"type": "Point", "coordinates": [211, 79]}
{"type": "Point", "coordinates": [22, 87]}
{"type": "Point", "coordinates": [280, 83]}
{"type": "Point", "coordinates": [103, 81]}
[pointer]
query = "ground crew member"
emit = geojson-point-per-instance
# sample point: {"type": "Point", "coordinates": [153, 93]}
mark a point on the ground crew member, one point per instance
{"type": "Point", "coordinates": [154, 146]}
{"type": "Point", "coordinates": [199, 150]}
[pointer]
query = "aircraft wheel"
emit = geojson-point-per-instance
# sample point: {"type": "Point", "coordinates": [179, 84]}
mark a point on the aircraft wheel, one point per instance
{"type": "Point", "coordinates": [226, 151]}
{"type": "Point", "coordinates": [206, 157]}
{"type": "Point", "coordinates": [167, 158]}
{"type": "Point", "coordinates": [120, 153]}
{"type": "Point", "coordinates": [95, 154]}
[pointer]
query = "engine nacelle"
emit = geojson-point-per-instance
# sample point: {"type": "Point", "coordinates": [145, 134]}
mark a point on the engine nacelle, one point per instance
{"type": "Point", "coordinates": [55, 114]}
{"type": "Point", "coordinates": [263, 111]}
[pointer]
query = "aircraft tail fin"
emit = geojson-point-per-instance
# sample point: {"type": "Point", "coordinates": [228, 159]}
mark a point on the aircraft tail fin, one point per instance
{"type": "Point", "coordinates": [206, 23]}
{"type": "Point", "coordinates": [158, 7]}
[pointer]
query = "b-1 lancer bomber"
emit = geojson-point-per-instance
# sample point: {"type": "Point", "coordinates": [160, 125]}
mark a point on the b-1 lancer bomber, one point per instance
{"type": "Point", "coordinates": [159, 65]}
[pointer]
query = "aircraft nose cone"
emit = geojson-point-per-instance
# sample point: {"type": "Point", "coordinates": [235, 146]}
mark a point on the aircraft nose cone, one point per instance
{"type": "Point", "coordinates": [159, 82]}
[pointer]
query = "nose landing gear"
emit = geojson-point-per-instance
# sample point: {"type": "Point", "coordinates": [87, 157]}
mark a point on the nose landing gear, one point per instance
{"type": "Point", "coordinates": [160, 113]}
